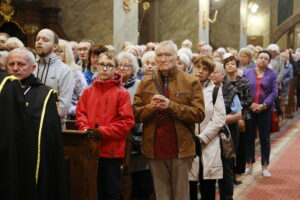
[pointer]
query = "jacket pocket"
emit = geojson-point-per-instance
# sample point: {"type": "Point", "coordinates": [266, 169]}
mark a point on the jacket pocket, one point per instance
{"type": "Point", "coordinates": [179, 94]}
{"type": "Point", "coordinates": [183, 97]}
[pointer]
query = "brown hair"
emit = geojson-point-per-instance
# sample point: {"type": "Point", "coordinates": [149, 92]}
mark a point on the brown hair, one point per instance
{"type": "Point", "coordinates": [205, 60]}
{"type": "Point", "coordinates": [95, 49]}
{"type": "Point", "coordinates": [230, 58]}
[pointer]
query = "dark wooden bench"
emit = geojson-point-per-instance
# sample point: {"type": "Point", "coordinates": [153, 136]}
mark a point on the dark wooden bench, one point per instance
{"type": "Point", "coordinates": [81, 158]}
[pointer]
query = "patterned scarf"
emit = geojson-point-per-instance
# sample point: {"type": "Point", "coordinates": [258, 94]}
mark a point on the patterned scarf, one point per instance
{"type": "Point", "coordinates": [130, 82]}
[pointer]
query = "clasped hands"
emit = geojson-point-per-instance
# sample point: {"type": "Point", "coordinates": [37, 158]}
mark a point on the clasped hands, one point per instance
{"type": "Point", "coordinates": [159, 102]}
{"type": "Point", "coordinates": [257, 108]}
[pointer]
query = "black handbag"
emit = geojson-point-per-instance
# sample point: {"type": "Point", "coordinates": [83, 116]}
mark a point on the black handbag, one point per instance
{"type": "Point", "coordinates": [226, 142]}
{"type": "Point", "coordinates": [195, 138]}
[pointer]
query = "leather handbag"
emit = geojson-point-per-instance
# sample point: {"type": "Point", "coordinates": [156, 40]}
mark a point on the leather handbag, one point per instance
{"type": "Point", "coordinates": [226, 142]}
{"type": "Point", "coordinates": [275, 122]}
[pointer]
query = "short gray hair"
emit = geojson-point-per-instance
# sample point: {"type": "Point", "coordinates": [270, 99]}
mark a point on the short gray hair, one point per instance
{"type": "Point", "coordinates": [131, 57]}
{"type": "Point", "coordinates": [188, 43]}
{"type": "Point", "coordinates": [148, 55]}
{"type": "Point", "coordinates": [166, 43]}
{"type": "Point", "coordinates": [246, 51]}
{"type": "Point", "coordinates": [207, 47]}
{"type": "Point", "coordinates": [273, 47]}
{"type": "Point", "coordinates": [185, 59]}
{"type": "Point", "coordinates": [187, 52]}
{"type": "Point", "coordinates": [24, 50]}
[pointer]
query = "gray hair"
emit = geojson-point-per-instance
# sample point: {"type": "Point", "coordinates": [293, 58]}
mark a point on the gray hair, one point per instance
{"type": "Point", "coordinates": [246, 51]}
{"type": "Point", "coordinates": [185, 59]}
{"type": "Point", "coordinates": [273, 47]}
{"type": "Point", "coordinates": [15, 42]}
{"type": "Point", "coordinates": [4, 54]}
{"type": "Point", "coordinates": [148, 55]}
{"type": "Point", "coordinates": [25, 51]}
{"type": "Point", "coordinates": [188, 43]}
{"type": "Point", "coordinates": [131, 57]}
{"type": "Point", "coordinates": [219, 67]}
{"type": "Point", "coordinates": [207, 47]}
{"type": "Point", "coordinates": [166, 43]}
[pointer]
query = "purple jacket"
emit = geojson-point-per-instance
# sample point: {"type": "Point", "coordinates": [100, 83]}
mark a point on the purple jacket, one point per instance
{"type": "Point", "coordinates": [269, 85]}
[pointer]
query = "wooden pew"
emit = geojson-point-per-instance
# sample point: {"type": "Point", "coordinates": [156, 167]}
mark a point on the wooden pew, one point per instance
{"type": "Point", "coordinates": [81, 158]}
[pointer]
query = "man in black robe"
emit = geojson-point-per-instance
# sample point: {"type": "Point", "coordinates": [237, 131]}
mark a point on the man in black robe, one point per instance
{"type": "Point", "coordinates": [16, 145]}
{"type": "Point", "coordinates": [42, 101]}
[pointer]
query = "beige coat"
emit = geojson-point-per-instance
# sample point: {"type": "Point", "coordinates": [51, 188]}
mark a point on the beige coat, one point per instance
{"type": "Point", "coordinates": [215, 117]}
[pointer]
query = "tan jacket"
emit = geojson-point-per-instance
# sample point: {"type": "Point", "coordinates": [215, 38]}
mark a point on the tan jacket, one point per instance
{"type": "Point", "coordinates": [215, 117]}
{"type": "Point", "coordinates": [186, 107]}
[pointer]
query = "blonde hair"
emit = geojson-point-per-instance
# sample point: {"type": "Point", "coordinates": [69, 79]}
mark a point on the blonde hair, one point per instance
{"type": "Point", "coordinates": [69, 57]}
{"type": "Point", "coordinates": [219, 68]}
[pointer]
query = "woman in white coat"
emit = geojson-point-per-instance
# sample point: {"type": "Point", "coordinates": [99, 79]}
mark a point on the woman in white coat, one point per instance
{"type": "Point", "coordinates": [208, 168]}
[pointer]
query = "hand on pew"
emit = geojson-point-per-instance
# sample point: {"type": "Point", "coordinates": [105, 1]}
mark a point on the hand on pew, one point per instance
{"type": "Point", "coordinates": [94, 132]}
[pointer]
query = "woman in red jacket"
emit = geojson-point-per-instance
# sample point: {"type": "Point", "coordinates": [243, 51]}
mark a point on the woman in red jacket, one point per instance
{"type": "Point", "coordinates": [104, 110]}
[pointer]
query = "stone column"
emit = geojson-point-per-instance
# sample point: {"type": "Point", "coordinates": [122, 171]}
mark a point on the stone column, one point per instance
{"type": "Point", "coordinates": [204, 20]}
{"type": "Point", "coordinates": [243, 22]}
{"type": "Point", "coordinates": [125, 24]}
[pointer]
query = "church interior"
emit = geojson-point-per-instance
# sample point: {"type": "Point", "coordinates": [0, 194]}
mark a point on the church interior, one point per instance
{"type": "Point", "coordinates": [222, 23]}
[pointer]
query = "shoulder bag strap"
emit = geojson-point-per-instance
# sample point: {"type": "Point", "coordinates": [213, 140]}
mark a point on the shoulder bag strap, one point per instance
{"type": "Point", "coordinates": [160, 91]}
{"type": "Point", "coordinates": [215, 93]}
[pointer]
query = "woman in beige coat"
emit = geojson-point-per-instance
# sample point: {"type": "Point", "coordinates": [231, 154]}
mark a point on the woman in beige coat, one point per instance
{"type": "Point", "coordinates": [208, 168]}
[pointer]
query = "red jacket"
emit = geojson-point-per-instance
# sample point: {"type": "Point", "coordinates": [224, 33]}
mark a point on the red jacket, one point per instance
{"type": "Point", "coordinates": [106, 105]}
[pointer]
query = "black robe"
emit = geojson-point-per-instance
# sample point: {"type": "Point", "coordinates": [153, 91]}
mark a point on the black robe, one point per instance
{"type": "Point", "coordinates": [51, 181]}
{"type": "Point", "coordinates": [16, 144]}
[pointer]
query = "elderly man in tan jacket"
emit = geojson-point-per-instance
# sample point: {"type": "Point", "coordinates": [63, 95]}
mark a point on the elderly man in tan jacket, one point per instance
{"type": "Point", "coordinates": [169, 103]}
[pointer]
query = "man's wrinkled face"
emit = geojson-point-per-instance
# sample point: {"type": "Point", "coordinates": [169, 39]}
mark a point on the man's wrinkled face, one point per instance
{"type": "Point", "coordinates": [165, 58]}
{"type": "Point", "coordinates": [83, 50]}
{"type": "Point", "coordinates": [19, 65]}
{"type": "Point", "coordinates": [44, 44]}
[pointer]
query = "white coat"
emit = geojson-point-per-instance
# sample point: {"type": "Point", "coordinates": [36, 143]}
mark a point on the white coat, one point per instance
{"type": "Point", "coordinates": [215, 117]}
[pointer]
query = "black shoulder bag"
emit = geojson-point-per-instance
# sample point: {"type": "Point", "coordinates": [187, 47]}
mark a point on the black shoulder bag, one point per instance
{"type": "Point", "coordinates": [226, 142]}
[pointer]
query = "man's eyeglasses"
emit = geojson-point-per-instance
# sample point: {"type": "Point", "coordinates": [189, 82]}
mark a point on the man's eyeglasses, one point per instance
{"type": "Point", "coordinates": [103, 66]}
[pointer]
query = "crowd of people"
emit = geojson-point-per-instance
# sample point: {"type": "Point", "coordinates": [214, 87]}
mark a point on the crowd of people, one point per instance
{"type": "Point", "coordinates": [160, 99]}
